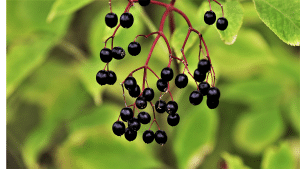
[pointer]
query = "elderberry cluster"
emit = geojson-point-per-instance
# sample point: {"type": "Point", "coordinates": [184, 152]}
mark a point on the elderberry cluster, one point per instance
{"type": "Point", "coordinates": [210, 18]}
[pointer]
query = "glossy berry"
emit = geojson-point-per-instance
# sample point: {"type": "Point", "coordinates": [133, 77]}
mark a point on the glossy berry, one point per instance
{"type": "Point", "coordinates": [130, 83]}
{"type": "Point", "coordinates": [173, 119]}
{"type": "Point", "coordinates": [171, 107]}
{"type": "Point", "coordinates": [111, 20]}
{"type": "Point", "coordinates": [126, 114]}
{"type": "Point", "coordinates": [144, 2]}
{"type": "Point", "coordinates": [213, 93]}
{"type": "Point", "coordinates": [196, 97]}
{"type": "Point", "coordinates": [161, 137]}
{"type": "Point", "coordinates": [212, 104]}
{"type": "Point", "coordinates": [222, 23]}
{"type": "Point", "coordinates": [102, 77]}
{"type": "Point", "coordinates": [135, 92]}
{"type": "Point", "coordinates": [134, 124]}
{"type": "Point", "coordinates": [167, 74]}
{"type": "Point", "coordinates": [118, 53]}
{"type": "Point", "coordinates": [148, 94]}
{"type": "Point", "coordinates": [144, 117]}
{"type": "Point", "coordinates": [118, 128]}
{"type": "Point", "coordinates": [130, 135]}
{"type": "Point", "coordinates": [141, 102]}
{"type": "Point", "coordinates": [126, 20]}
{"type": "Point", "coordinates": [105, 55]}
{"type": "Point", "coordinates": [181, 81]}
{"type": "Point", "coordinates": [209, 17]}
{"type": "Point", "coordinates": [204, 65]}
{"type": "Point", "coordinates": [162, 85]}
{"type": "Point", "coordinates": [112, 77]}
{"type": "Point", "coordinates": [160, 106]}
{"type": "Point", "coordinates": [198, 76]}
{"type": "Point", "coordinates": [134, 48]}
{"type": "Point", "coordinates": [203, 87]}
{"type": "Point", "coordinates": [148, 136]}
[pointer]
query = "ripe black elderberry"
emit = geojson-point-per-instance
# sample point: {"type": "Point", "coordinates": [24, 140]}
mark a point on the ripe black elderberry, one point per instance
{"type": "Point", "coordinates": [203, 87]}
{"type": "Point", "coordinates": [198, 76]}
{"type": "Point", "coordinates": [148, 136]}
{"type": "Point", "coordinates": [112, 77]}
{"type": "Point", "coordinates": [222, 23]}
{"type": "Point", "coordinates": [141, 102]}
{"type": "Point", "coordinates": [160, 106]}
{"type": "Point", "coordinates": [134, 48]}
{"type": "Point", "coordinates": [204, 65]}
{"type": "Point", "coordinates": [196, 97]}
{"type": "Point", "coordinates": [148, 94]}
{"type": "Point", "coordinates": [144, 2]}
{"type": "Point", "coordinates": [111, 20]}
{"type": "Point", "coordinates": [162, 85]}
{"type": "Point", "coordinates": [126, 114]}
{"type": "Point", "coordinates": [166, 74]}
{"type": "Point", "coordinates": [213, 93]}
{"type": "Point", "coordinates": [144, 117]}
{"type": "Point", "coordinates": [161, 137]}
{"type": "Point", "coordinates": [212, 104]}
{"type": "Point", "coordinates": [102, 77]}
{"type": "Point", "coordinates": [173, 119]}
{"type": "Point", "coordinates": [171, 107]}
{"type": "Point", "coordinates": [105, 55]}
{"type": "Point", "coordinates": [130, 83]}
{"type": "Point", "coordinates": [209, 17]}
{"type": "Point", "coordinates": [130, 135]}
{"type": "Point", "coordinates": [134, 124]}
{"type": "Point", "coordinates": [135, 92]}
{"type": "Point", "coordinates": [118, 53]}
{"type": "Point", "coordinates": [126, 20]}
{"type": "Point", "coordinates": [118, 128]}
{"type": "Point", "coordinates": [181, 81]}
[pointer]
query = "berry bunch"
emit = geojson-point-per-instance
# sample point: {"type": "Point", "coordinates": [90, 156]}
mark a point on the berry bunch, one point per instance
{"type": "Point", "coordinates": [144, 94]}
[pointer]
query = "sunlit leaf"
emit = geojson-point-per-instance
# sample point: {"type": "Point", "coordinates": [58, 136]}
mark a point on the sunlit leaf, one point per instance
{"type": "Point", "coordinates": [233, 162]}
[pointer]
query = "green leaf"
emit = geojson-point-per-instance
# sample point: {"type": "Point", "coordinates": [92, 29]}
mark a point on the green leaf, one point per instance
{"type": "Point", "coordinates": [233, 162]}
{"type": "Point", "coordinates": [66, 7]}
{"type": "Point", "coordinates": [278, 157]}
{"type": "Point", "coordinates": [282, 18]}
{"type": "Point", "coordinates": [294, 114]}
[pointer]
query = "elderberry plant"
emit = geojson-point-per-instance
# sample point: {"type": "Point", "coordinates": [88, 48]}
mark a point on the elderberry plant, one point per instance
{"type": "Point", "coordinates": [145, 94]}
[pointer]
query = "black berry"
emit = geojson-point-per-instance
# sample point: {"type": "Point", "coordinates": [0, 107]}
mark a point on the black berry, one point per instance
{"type": "Point", "coordinates": [161, 137]}
{"type": "Point", "coordinates": [148, 136]}
{"type": "Point", "coordinates": [209, 17]}
{"type": "Point", "coordinates": [162, 85]}
{"type": "Point", "coordinates": [126, 114]}
{"type": "Point", "coordinates": [111, 20]}
{"type": "Point", "coordinates": [105, 55]}
{"type": "Point", "coordinates": [141, 102]}
{"type": "Point", "coordinates": [160, 106]}
{"type": "Point", "coordinates": [102, 77]}
{"type": "Point", "coordinates": [171, 107]}
{"type": "Point", "coordinates": [212, 104]}
{"type": "Point", "coordinates": [130, 135]}
{"type": "Point", "coordinates": [130, 83]}
{"type": "Point", "coordinates": [144, 117]}
{"type": "Point", "coordinates": [134, 48]}
{"type": "Point", "coordinates": [148, 94]}
{"type": "Point", "coordinates": [112, 77]}
{"type": "Point", "coordinates": [118, 53]}
{"type": "Point", "coordinates": [126, 20]}
{"type": "Point", "coordinates": [196, 97]}
{"type": "Point", "coordinates": [134, 124]}
{"type": "Point", "coordinates": [118, 128]}
{"type": "Point", "coordinates": [204, 65]}
{"type": "Point", "coordinates": [203, 87]}
{"type": "Point", "coordinates": [173, 119]}
{"type": "Point", "coordinates": [167, 74]}
{"type": "Point", "coordinates": [181, 81]}
{"type": "Point", "coordinates": [135, 92]}
{"type": "Point", "coordinates": [213, 93]}
{"type": "Point", "coordinates": [222, 23]}
{"type": "Point", "coordinates": [199, 76]}
{"type": "Point", "coordinates": [144, 2]}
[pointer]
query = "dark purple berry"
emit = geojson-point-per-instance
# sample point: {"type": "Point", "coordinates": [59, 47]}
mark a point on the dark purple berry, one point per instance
{"type": "Point", "coordinates": [212, 104]}
{"type": "Point", "coordinates": [198, 76]}
{"type": "Point", "coordinates": [134, 48]}
{"type": "Point", "coordinates": [105, 55]}
{"type": "Point", "coordinates": [118, 53]}
{"type": "Point", "coordinates": [173, 119]}
{"type": "Point", "coordinates": [126, 114]}
{"type": "Point", "coordinates": [203, 87]}
{"type": "Point", "coordinates": [130, 83]}
{"type": "Point", "coordinates": [166, 74]}
{"type": "Point", "coordinates": [181, 81]}
{"type": "Point", "coordinates": [171, 107]}
{"type": "Point", "coordinates": [222, 23]}
{"type": "Point", "coordinates": [126, 20]}
{"type": "Point", "coordinates": [148, 136]}
{"type": "Point", "coordinates": [111, 20]}
{"type": "Point", "coordinates": [161, 137]}
{"type": "Point", "coordinates": [196, 97]}
{"type": "Point", "coordinates": [204, 65]}
{"type": "Point", "coordinates": [141, 102]}
{"type": "Point", "coordinates": [144, 117]}
{"type": "Point", "coordinates": [135, 92]}
{"type": "Point", "coordinates": [118, 128]}
{"type": "Point", "coordinates": [102, 77]}
{"type": "Point", "coordinates": [162, 85]}
{"type": "Point", "coordinates": [148, 94]}
{"type": "Point", "coordinates": [209, 17]}
{"type": "Point", "coordinates": [160, 106]}
{"type": "Point", "coordinates": [144, 2]}
{"type": "Point", "coordinates": [134, 124]}
{"type": "Point", "coordinates": [130, 135]}
{"type": "Point", "coordinates": [213, 93]}
{"type": "Point", "coordinates": [112, 77]}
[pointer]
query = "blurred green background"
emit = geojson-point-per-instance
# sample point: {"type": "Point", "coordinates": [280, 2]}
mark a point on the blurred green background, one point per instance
{"type": "Point", "coordinates": [59, 117]}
